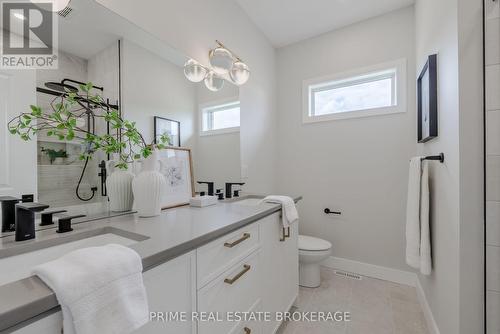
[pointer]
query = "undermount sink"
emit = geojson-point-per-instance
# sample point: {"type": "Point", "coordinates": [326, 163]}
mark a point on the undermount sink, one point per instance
{"type": "Point", "coordinates": [17, 262]}
{"type": "Point", "coordinates": [248, 201]}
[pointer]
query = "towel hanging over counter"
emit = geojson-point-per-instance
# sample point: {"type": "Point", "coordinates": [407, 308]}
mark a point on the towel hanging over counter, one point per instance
{"type": "Point", "coordinates": [418, 245]}
{"type": "Point", "coordinates": [100, 289]}
{"type": "Point", "coordinates": [290, 214]}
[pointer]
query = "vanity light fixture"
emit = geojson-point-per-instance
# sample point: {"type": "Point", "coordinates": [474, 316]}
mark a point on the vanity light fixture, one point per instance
{"type": "Point", "coordinates": [223, 62]}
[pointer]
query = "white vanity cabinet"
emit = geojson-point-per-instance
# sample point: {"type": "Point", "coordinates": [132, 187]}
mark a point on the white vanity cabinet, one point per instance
{"type": "Point", "coordinates": [280, 268]}
{"type": "Point", "coordinates": [252, 269]}
{"type": "Point", "coordinates": [171, 288]}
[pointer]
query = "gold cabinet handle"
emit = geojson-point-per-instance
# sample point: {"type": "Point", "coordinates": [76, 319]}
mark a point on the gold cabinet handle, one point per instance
{"type": "Point", "coordinates": [246, 268]}
{"type": "Point", "coordinates": [286, 234]}
{"type": "Point", "coordinates": [234, 243]}
{"type": "Point", "coordinates": [247, 330]}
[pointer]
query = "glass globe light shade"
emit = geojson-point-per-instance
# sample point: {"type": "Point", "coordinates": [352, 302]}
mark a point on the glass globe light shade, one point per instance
{"type": "Point", "coordinates": [221, 60]}
{"type": "Point", "coordinates": [213, 81]}
{"type": "Point", "coordinates": [57, 5]}
{"type": "Point", "coordinates": [239, 73]}
{"type": "Point", "coordinates": [193, 71]}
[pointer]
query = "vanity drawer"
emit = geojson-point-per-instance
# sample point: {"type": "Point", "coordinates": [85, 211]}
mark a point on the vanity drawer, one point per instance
{"type": "Point", "coordinates": [250, 326]}
{"type": "Point", "coordinates": [223, 253]}
{"type": "Point", "coordinates": [236, 290]}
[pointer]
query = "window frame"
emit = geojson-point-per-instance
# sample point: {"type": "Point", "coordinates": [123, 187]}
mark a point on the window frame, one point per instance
{"type": "Point", "coordinates": [382, 71]}
{"type": "Point", "coordinates": [217, 106]}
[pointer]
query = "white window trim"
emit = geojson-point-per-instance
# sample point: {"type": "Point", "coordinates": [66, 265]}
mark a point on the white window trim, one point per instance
{"type": "Point", "coordinates": [401, 91]}
{"type": "Point", "coordinates": [210, 104]}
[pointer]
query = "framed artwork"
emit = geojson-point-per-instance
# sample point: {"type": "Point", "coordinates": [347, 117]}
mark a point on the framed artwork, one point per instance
{"type": "Point", "coordinates": [177, 168]}
{"type": "Point", "coordinates": [427, 109]}
{"type": "Point", "coordinates": [167, 126]}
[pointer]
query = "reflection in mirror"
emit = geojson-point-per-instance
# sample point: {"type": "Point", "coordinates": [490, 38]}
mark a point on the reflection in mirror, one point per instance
{"type": "Point", "coordinates": [142, 78]}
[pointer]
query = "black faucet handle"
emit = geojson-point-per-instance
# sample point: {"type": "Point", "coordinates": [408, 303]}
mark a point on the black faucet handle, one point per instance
{"type": "Point", "coordinates": [210, 187]}
{"type": "Point", "coordinates": [28, 198]}
{"type": "Point", "coordinates": [236, 193]}
{"type": "Point", "coordinates": [47, 217]}
{"type": "Point", "coordinates": [9, 199]}
{"type": "Point", "coordinates": [32, 206]}
{"type": "Point", "coordinates": [65, 223]}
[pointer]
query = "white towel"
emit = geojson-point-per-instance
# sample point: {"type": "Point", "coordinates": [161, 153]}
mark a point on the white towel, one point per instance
{"type": "Point", "coordinates": [100, 289]}
{"type": "Point", "coordinates": [418, 249]}
{"type": "Point", "coordinates": [425, 236]}
{"type": "Point", "coordinates": [290, 214]}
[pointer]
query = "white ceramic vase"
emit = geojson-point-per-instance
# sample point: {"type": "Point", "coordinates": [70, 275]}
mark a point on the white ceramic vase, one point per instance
{"type": "Point", "coordinates": [119, 188]}
{"type": "Point", "coordinates": [148, 187]}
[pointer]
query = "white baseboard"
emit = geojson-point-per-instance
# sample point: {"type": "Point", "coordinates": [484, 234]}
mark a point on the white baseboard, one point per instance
{"type": "Point", "coordinates": [429, 318]}
{"type": "Point", "coordinates": [388, 274]}
{"type": "Point", "coordinates": [371, 270]}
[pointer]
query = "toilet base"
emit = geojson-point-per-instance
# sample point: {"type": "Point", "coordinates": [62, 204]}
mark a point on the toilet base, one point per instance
{"type": "Point", "coordinates": [309, 275]}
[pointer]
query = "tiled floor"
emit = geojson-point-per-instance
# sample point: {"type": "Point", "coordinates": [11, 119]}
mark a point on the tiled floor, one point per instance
{"type": "Point", "coordinates": [376, 307]}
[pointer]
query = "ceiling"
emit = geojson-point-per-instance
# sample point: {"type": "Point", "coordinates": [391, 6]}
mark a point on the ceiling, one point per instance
{"type": "Point", "coordinates": [289, 21]}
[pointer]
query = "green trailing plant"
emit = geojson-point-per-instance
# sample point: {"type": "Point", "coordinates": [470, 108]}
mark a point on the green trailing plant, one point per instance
{"type": "Point", "coordinates": [61, 122]}
{"type": "Point", "coordinates": [53, 154]}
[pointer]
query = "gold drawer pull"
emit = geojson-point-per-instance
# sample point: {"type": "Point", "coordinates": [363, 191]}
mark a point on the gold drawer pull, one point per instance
{"type": "Point", "coordinates": [246, 268]}
{"type": "Point", "coordinates": [286, 233]}
{"type": "Point", "coordinates": [234, 243]}
{"type": "Point", "coordinates": [247, 330]}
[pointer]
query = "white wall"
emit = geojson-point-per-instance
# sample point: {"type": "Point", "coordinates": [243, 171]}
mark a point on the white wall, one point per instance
{"type": "Point", "coordinates": [192, 27]}
{"type": "Point", "coordinates": [218, 156]}
{"type": "Point", "coordinates": [452, 28]}
{"type": "Point", "coordinates": [357, 166]}
{"type": "Point", "coordinates": [152, 87]}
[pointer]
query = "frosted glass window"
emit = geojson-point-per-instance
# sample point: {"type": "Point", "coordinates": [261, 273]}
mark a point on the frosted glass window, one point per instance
{"type": "Point", "coordinates": [371, 91]}
{"type": "Point", "coordinates": [221, 117]}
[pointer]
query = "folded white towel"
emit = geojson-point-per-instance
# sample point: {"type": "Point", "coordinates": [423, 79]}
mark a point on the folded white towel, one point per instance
{"type": "Point", "coordinates": [418, 248]}
{"type": "Point", "coordinates": [100, 289]}
{"type": "Point", "coordinates": [425, 236]}
{"type": "Point", "coordinates": [413, 214]}
{"type": "Point", "coordinates": [290, 214]}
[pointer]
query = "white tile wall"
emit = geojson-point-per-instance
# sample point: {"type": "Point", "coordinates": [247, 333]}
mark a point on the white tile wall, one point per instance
{"type": "Point", "coordinates": [493, 223]}
{"type": "Point", "coordinates": [492, 87]}
{"type": "Point", "coordinates": [492, 9]}
{"type": "Point", "coordinates": [493, 132]}
{"type": "Point", "coordinates": [492, 268]}
{"type": "Point", "coordinates": [492, 46]}
{"type": "Point", "coordinates": [492, 311]}
{"type": "Point", "coordinates": [493, 178]}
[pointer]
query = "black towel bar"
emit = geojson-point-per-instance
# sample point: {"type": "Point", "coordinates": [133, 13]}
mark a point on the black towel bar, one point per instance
{"type": "Point", "coordinates": [439, 157]}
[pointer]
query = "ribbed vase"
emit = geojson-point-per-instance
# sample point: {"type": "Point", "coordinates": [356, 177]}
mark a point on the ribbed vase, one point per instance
{"type": "Point", "coordinates": [119, 187]}
{"type": "Point", "coordinates": [148, 188]}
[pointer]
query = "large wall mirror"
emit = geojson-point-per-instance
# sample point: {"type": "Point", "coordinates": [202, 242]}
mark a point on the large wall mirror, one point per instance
{"type": "Point", "coordinates": [143, 78]}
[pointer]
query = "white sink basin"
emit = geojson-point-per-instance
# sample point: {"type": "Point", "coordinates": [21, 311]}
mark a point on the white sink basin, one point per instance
{"type": "Point", "coordinates": [248, 201]}
{"type": "Point", "coordinates": [16, 267]}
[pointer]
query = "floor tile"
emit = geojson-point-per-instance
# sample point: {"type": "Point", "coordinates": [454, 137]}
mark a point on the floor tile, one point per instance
{"type": "Point", "coordinates": [375, 307]}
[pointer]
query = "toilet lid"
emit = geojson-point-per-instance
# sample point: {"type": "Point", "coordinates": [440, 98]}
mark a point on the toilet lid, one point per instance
{"type": "Point", "coordinates": [313, 244]}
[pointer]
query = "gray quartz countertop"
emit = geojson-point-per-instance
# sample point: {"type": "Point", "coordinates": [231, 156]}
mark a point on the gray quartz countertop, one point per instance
{"type": "Point", "coordinates": [173, 233]}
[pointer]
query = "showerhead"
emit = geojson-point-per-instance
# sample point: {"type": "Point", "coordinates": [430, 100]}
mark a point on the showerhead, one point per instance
{"type": "Point", "coordinates": [60, 87]}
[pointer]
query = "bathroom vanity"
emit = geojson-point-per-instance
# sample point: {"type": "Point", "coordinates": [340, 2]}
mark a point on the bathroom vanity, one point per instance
{"type": "Point", "coordinates": [204, 262]}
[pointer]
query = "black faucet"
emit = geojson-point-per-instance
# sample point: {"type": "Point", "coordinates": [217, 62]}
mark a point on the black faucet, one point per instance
{"type": "Point", "coordinates": [9, 210]}
{"type": "Point", "coordinates": [229, 186]}
{"type": "Point", "coordinates": [65, 223]}
{"type": "Point", "coordinates": [210, 187]}
{"type": "Point", "coordinates": [9, 213]}
{"type": "Point", "coordinates": [25, 219]}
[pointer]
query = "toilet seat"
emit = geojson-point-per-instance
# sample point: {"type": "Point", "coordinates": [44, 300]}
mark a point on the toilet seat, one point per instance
{"type": "Point", "coordinates": [308, 243]}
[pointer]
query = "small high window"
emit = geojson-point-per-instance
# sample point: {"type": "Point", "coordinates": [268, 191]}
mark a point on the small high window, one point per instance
{"type": "Point", "coordinates": [220, 118]}
{"type": "Point", "coordinates": [366, 92]}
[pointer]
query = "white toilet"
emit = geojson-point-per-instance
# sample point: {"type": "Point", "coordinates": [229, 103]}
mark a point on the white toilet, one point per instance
{"type": "Point", "coordinates": [311, 252]}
